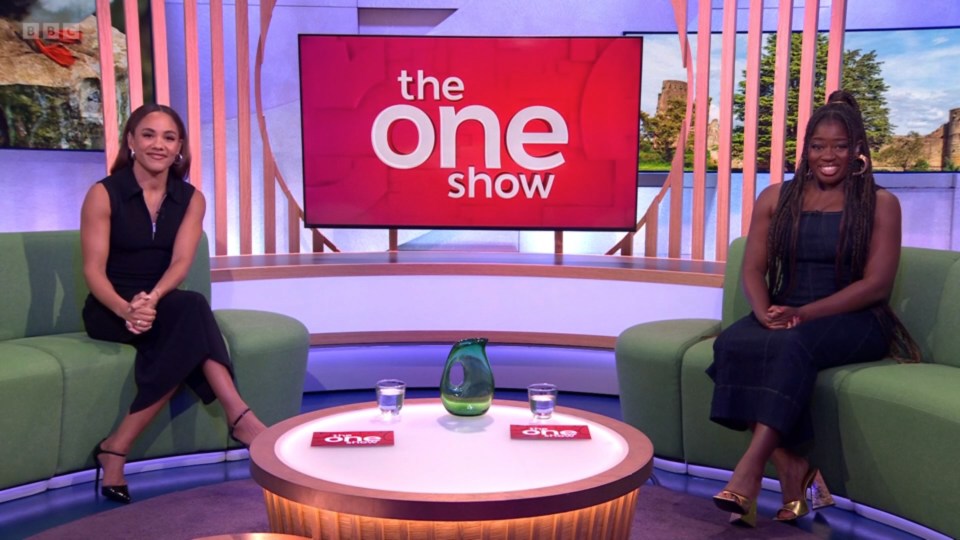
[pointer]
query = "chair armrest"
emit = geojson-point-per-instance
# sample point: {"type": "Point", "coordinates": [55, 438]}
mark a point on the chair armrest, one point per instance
{"type": "Point", "coordinates": [269, 353]}
{"type": "Point", "coordinates": [648, 358]}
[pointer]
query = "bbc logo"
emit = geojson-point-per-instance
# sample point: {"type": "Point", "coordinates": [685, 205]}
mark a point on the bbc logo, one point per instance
{"type": "Point", "coordinates": [51, 31]}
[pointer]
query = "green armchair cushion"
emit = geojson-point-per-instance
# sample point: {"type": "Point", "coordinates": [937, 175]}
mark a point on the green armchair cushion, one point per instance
{"type": "Point", "coordinates": [946, 342]}
{"type": "Point", "coordinates": [901, 436]}
{"type": "Point", "coordinates": [31, 393]}
{"type": "Point", "coordinates": [98, 389]}
{"type": "Point", "coordinates": [648, 360]}
{"type": "Point", "coordinates": [269, 353]}
{"type": "Point", "coordinates": [42, 272]}
{"type": "Point", "coordinates": [923, 285]}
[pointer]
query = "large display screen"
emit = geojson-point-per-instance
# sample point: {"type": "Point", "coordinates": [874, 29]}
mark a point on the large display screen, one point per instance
{"type": "Point", "coordinates": [470, 132]}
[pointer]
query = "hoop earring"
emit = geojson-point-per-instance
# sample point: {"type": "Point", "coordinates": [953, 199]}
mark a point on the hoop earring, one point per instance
{"type": "Point", "coordinates": [864, 165]}
{"type": "Point", "coordinates": [178, 159]}
{"type": "Point", "coordinates": [133, 154]}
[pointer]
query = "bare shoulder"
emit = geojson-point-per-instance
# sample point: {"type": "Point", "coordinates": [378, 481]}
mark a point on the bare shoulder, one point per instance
{"type": "Point", "coordinates": [884, 197]}
{"type": "Point", "coordinates": [769, 197]}
{"type": "Point", "coordinates": [197, 206]}
{"type": "Point", "coordinates": [97, 190]}
{"type": "Point", "coordinates": [97, 199]}
{"type": "Point", "coordinates": [197, 199]}
{"type": "Point", "coordinates": [887, 203]}
{"type": "Point", "coordinates": [771, 191]}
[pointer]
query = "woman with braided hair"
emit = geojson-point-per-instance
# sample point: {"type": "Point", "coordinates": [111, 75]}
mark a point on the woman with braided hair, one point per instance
{"type": "Point", "coordinates": [819, 265]}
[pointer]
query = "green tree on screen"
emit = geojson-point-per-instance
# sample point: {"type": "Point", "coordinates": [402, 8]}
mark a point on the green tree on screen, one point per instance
{"type": "Point", "coordinates": [659, 132]}
{"type": "Point", "coordinates": [861, 76]}
{"type": "Point", "coordinates": [664, 127]}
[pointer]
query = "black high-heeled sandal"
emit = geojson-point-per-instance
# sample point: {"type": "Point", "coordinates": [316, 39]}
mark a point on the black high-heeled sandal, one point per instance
{"type": "Point", "coordinates": [233, 427]}
{"type": "Point", "coordinates": [120, 494]}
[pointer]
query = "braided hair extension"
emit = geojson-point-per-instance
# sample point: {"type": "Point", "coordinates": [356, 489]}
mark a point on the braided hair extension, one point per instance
{"type": "Point", "coordinates": [856, 226]}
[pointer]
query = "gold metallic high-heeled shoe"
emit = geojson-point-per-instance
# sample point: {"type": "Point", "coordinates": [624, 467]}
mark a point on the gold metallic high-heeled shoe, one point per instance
{"type": "Point", "coordinates": [820, 497]}
{"type": "Point", "coordinates": [742, 509]}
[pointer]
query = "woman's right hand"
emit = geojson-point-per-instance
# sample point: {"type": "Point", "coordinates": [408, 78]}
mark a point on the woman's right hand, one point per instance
{"type": "Point", "coordinates": [781, 318]}
{"type": "Point", "coordinates": [140, 314]}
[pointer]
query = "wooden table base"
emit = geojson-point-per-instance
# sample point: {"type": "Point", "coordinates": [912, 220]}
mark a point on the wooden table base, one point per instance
{"type": "Point", "coordinates": [610, 520]}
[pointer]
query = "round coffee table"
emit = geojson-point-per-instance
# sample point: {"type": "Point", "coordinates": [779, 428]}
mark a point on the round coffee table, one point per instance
{"type": "Point", "coordinates": [451, 477]}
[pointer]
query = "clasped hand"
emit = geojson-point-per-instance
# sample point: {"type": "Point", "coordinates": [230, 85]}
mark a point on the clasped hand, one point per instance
{"type": "Point", "coordinates": [141, 313]}
{"type": "Point", "coordinates": [782, 317]}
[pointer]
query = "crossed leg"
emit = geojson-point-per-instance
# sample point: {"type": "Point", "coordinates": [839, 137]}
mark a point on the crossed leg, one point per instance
{"type": "Point", "coordinates": [133, 424]}
{"type": "Point", "coordinates": [748, 473]}
{"type": "Point", "coordinates": [245, 428]}
{"type": "Point", "coordinates": [121, 440]}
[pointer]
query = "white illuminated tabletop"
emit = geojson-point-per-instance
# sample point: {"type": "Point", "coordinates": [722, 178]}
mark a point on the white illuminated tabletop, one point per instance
{"type": "Point", "coordinates": [446, 469]}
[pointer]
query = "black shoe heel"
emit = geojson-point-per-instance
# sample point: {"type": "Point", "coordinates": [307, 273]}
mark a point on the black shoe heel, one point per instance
{"type": "Point", "coordinates": [119, 494]}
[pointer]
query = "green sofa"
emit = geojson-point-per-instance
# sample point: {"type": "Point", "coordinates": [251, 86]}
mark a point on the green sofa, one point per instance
{"type": "Point", "coordinates": [887, 434]}
{"type": "Point", "coordinates": [61, 391]}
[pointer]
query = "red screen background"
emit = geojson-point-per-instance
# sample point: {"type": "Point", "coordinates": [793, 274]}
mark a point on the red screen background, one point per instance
{"type": "Point", "coordinates": [593, 83]}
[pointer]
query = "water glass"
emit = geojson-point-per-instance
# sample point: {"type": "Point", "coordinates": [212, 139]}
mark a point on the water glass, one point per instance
{"type": "Point", "coordinates": [543, 398]}
{"type": "Point", "coordinates": [390, 394]}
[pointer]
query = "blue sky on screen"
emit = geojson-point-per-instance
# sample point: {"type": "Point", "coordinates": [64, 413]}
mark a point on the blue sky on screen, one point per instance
{"type": "Point", "coordinates": [921, 67]}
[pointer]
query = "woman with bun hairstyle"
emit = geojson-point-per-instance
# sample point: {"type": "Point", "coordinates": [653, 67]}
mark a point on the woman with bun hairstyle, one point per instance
{"type": "Point", "coordinates": [819, 265]}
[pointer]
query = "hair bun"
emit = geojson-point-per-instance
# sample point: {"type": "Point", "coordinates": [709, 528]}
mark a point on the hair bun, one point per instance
{"type": "Point", "coordinates": [842, 96]}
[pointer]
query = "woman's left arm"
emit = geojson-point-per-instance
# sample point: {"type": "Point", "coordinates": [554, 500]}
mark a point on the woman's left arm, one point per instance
{"type": "Point", "coordinates": [878, 275]}
{"type": "Point", "coordinates": [184, 249]}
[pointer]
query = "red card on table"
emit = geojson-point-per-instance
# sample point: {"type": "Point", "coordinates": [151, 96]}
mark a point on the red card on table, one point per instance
{"type": "Point", "coordinates": [549, 433]}
{"type": "Point", "coordinates": [352, 438]}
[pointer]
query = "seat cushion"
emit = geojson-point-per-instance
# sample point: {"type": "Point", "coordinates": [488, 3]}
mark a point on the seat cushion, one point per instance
{"type": "Point", "coordinates": [827, 448]}
{"type": "Point", "coordinates": [922, 295]}
{"type": "Point", "coordinates": [31, 396]}
{"type": "Point", "coordinates": [43, 288]}
{"type": "Point", "coordinates": [946, 342]}
{"type": "Point", "coordinates": [900, 426]}
{"type": "Point", "coordinates": [98, 389]}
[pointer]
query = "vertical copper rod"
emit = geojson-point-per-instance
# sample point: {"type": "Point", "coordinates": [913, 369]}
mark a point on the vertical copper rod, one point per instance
{"type": "Point", "coordinates": [191, 46]}
{"type": "Point", "coordinates": [108, 83]}
{"type": "Point", "coordinates": [701, 119]}
{"type": "Point", "coordinates": [751, 110]}
{"type": "Point", "coordinates": [838, 21]}
{"type": "Point", "coordinates": [131, 19]}
{"type": "Point", "coordinates": [808, 65]}
{"type": "Point", "coordinates": [219, 128]}
{"type": "Point", "coordinates": [245, 168]}
{"type": "Point", "coordinates": [161, 75]}
{"type": "Point", "coordinates": [728, 49]}
{"type": "Point", "coordinates": [781, 81]}
{"type": "Point", "coordinates": [675, 178]}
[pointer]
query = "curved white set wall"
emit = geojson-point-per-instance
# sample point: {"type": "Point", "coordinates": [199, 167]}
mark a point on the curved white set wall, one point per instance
{"type": "Point", "coordinates": [520, 314]}
{"type": "Point", "coordinates": [588, 307]}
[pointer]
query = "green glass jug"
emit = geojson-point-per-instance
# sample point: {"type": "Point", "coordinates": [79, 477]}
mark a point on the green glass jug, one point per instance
{"type": "Point", "coordinates": [473, 396]}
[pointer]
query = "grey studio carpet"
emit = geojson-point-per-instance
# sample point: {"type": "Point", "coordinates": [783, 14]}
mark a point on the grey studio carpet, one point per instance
{"type": "Point", "coordinates": [238, 507]}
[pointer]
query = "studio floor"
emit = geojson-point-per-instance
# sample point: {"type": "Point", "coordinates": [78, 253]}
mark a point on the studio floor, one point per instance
{"type": "Point", "coordinates": [24, 517]}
